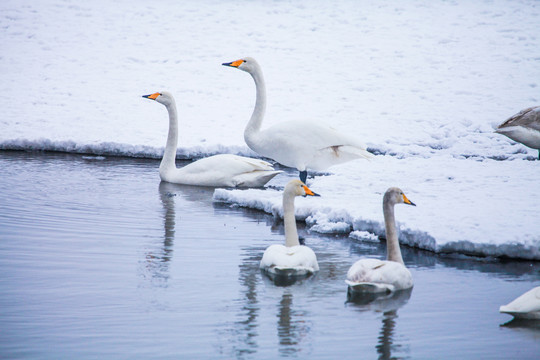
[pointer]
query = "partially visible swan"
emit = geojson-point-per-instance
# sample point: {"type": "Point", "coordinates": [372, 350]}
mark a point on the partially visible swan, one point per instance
{"type": "Point", "coordinates": [526, 306]}
{"type": "Point", "coordinates": [374, 275]}
{"type": "Point", "coordinates": [291, 259]}
{"type": "Point", "coordinates": [218, 170]}
{"type": "Point", "coordinates": [523, 127]}
{"type": "Point", "coordinates": [298, 144]}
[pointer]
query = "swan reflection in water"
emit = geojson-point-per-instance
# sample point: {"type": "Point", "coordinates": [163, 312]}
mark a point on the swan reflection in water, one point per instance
{"type": "Point", "coordinates": [388, 304]}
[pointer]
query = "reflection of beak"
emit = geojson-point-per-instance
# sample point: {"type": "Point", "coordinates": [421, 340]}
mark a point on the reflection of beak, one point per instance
{"type": "Point", "coordinates": [235, 64]}
{"type": "Point", "coordinates": [407, 201]}
{"type": "Point", "coordinates": [309, 192]}
{"type": "Point", "coordinates": [152, 96]}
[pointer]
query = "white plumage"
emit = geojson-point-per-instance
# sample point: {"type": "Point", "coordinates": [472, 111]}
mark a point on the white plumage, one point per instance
{"type": "Point", "coordinates": [383, 276]}
{"type": "Point", "coordinates": [218, 170]}
{"type": "Point", "coordinates": [526, 306]}
{"type": "Point", "coordinates": [298, 144]}
{"type": "Point", "coordinates": [291, 259]}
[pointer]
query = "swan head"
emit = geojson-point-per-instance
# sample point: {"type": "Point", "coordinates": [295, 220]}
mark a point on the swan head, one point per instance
{"type": "Point", "coordinates": [247, 64]}
{"type": "Point", "coordinates": [163, 97]}
{"type": "Point", "coordinates": [395, 195]}
{"type": "Point", "coordinates": [298, 188]}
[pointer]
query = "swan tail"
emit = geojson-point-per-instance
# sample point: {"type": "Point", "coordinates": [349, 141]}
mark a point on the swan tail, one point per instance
{"type": "Point", "coordinates": [256, 178]}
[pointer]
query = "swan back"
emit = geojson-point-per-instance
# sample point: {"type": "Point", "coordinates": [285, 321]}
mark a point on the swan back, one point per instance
{"type": "Point", "coordinates": [523, 127]}
{"type": "Point", "coordinates": [526, 306]}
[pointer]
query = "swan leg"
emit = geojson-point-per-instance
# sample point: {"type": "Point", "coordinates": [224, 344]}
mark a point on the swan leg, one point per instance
{"type": "Point", "coordinates": [303, 176]}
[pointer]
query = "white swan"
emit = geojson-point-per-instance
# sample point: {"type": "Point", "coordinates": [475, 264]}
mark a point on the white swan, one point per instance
{"type": "Point", "coordinates": [523, 127]}
{"type": "Point", "coordinates": [292, 259]}
{"type": "Point", "coordinates": [218, 170]}
{"type": "Point", "coordinates": [526, 306]}
{"type": "Point", "coordinates": [374, 275]}
{"type": "Point", "coordinates": [297, 144]}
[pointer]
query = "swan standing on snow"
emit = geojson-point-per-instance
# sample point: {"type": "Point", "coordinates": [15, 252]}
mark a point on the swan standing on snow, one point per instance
{"type": "Point", "coordinates": [297, 144]}
{"type": "Point", "coordinates": [523, 127]}
{"type": "Point", "coordinates": [374, 275]}
{"type": "Point", "coordinates": [218, 170]}
{"type": "Point", "coordinates": [527, 306]}
{"type": "Point", "coordinates": [292, 259]}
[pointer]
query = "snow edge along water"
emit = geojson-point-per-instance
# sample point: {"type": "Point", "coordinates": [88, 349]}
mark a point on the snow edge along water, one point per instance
{"type": "Point", "coordinates": [364, 229]}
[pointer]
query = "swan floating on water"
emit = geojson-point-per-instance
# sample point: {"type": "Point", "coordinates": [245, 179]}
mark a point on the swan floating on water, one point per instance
{"type": "Point", "coordinates": [526, 306]}
{"type": "Point", "coordinates": [291, 259]}
{"type": "Point", "coordinates": [218, 170]}
{"type": "Point", "coordinates": [523, 127]}
{"type": "Point", "coordinates": [383, 276]}
{"type": "Point", "coordinates": [297, 144]}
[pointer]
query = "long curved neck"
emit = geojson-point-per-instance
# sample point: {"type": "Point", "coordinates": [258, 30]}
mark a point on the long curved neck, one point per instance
{"type": "Point", "coordinates": [169, 155]}
{"type": "Point", "coordinates": [254, 124]}
{"type": "Point", "coordinates": [291, 234]}
{"type": "Point", "coordinates": [393, 252]}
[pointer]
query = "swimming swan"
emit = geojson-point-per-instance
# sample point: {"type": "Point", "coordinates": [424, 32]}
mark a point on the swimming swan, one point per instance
{"type": "Point", "coordinates": [218, 170]}
{"type": "Point", "coordinates": [298, 144]}
{"type": "Point", "coordinates": [291, 259]}
{"type": "Point", "coordinates": [374, 275]}
{"type": "Point", "coordinates": [523, 127]}
{"type": "Point", "coordinates": [526, 306]}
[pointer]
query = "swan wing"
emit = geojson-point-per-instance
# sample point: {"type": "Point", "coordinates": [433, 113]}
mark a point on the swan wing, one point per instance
{"type": "Point", "coordinates": [525, 306]}
{"type": "Point", "coordinates": [295, 260]}
{"type": "Point", "coordinates": [302, 144]}
{"type": "Point", "coordinates": [225, 170]}
{"type": "Point", "coordinates": [379, 275]}
{"type": "Point", "coordinates": [529, 117]}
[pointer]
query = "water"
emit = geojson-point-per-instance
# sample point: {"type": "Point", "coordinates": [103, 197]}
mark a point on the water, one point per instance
{"type": "Point", "coordinates": [99, 260]}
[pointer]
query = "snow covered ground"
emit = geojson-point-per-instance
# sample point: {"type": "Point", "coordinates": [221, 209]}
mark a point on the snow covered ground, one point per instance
{"type": "Point", "coordinates": [423, 83]}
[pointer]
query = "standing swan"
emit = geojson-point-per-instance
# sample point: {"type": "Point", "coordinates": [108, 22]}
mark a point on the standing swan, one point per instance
{"type": "Point", "coordinates": [526, 306]}
{"type": "Point", "coordinates": [292, 259]}
{"type": "Point", "coordinates": [297, 144]}
{"type": "Point", "coordinates": [374, 275]}
{"type": "Point", "coordinates": [217, 170]}
{"type": "Point", "coordinates": [523, 127]}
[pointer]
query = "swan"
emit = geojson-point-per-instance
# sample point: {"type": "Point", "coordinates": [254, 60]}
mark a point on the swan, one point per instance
{"type": "Point", "coordinates": [291, 259]}
{"type": "Point", "coordinates": [297, 144]}
{"type": "Point", "coordinates": [218, 170]}
{"type": "Point", "coordinates": [526, 306]}
{"type": "Point", "coordinates": [523, 127]}
{"type": "Point", "coordinates": [374, 275]}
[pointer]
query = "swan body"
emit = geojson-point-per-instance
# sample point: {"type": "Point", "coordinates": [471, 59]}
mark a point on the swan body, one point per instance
{"type": "Point", "coordinates": [383, 276]}
{"type": "Point", "coordinates": [526, 306]}
{"type": "Point", "coordinates": [291, 259]}
{"type": "Point", "coordinates": [218, 170]}
{"type": "Point", "coordinates": [523, 127]}
{"type": "Point", "coordinates": [297, 144]}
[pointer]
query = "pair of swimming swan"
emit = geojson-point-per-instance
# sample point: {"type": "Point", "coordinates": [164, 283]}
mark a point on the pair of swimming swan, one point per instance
{"type": "Point", "coordinates": [364, 276]}
{"type": "Point", "coordinates": [523, 127]}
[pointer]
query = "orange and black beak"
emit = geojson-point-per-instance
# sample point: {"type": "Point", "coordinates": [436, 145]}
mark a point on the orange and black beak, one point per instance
{"type": "Point", "coordinates": [152, 96]}
{"type": "Point", "coordinates": [407, 201]}
{"type": "Point", "coordinates": [235, 64]}
{"type": "Point", "coordinates": [309, 192]}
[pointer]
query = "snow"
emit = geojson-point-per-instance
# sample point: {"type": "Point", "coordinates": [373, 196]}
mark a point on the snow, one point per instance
{"type": "Point", "coordinates": [423, 83]}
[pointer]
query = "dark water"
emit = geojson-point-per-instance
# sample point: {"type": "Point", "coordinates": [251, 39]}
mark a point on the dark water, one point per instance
{"type": "Point", "coordinates": [98, 260]}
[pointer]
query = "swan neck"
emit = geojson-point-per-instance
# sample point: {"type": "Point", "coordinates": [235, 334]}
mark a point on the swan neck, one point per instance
{"type": "Point", "coordinates": [393, 252]}
{"type": "Point", "coordinates": [169, 155]}
{"type": "Point", "coordinates": [254, 124]}
{"type": "Point", "coordinates": [291, 234]}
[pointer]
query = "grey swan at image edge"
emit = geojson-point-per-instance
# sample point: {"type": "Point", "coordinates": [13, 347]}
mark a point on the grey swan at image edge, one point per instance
{"type": "Point", "coordinates": [383, 276]}
{"type": "Point", "coordinates": [297, 144]}
{"type": "Point", "coordinates": [225, 170]}
{"type": "Point", "coordinates": [291, 259]}
{"type": "Point", "coordinates": [523, 127]}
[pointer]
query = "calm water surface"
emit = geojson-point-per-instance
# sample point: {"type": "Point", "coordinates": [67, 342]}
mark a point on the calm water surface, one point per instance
{"type": "Point", "coordinates": [99, 260]}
